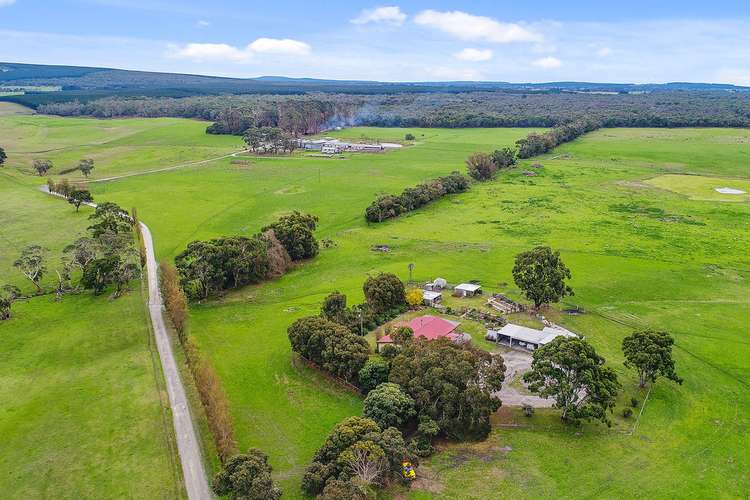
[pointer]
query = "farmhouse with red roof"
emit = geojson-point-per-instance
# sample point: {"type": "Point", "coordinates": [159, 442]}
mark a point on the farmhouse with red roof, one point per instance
{"type": "Point", "coordinates": [430, 328]}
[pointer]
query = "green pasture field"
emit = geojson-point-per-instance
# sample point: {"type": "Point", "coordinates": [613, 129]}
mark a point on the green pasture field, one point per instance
{"type": "Point", "coordinates": [698, 187]}
{"type": "Point", "coordinates": [117, 146]}
{"type": "Point", "coordinates": [641, 257]}
{"type": "Point", "coordinates": [82, 413]}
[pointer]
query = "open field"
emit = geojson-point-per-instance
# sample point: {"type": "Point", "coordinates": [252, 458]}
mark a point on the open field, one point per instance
{"type": "Point", "coordinates": [640, 256]}
{"type": "Point", "coordinates": [82, 412]}
{"type": "Point", "coordinates": [117, 147]}
{"type": "Point", "coordinates": [698, 187]}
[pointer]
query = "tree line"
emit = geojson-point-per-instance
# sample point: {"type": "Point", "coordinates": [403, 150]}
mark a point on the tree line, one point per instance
{"type": "Point", "coordinates": [389, 206]}
{"type": "Point", "coordinates": [314, 112]}
{"type": "Point", "coordinates": [210, 267]}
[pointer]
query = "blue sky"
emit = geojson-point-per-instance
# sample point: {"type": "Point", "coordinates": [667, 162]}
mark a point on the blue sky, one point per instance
{"type": "Point", "coordinates": [635, 41]}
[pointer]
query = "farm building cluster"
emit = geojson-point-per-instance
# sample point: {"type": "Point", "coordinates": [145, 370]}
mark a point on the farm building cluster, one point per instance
{"type": "Point", "coordinates": [331, 146]}
{"type": "Point", "coordinates": [506, 334]}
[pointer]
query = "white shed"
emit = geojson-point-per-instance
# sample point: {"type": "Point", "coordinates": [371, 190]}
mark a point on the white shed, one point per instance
{"type": "Point", "coordinates": [431, 298]}
{"type": "Point", "coordinates": [467, 289]}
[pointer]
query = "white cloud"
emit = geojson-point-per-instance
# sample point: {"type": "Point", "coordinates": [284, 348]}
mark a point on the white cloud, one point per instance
{"type": "Point", "coordinates": [5, 3]}
{"type": "Point", "coordinates": [604, 52]}
{"type": "Point", "coordinates": [210, 52]}
{"type": "Point", "coordinates": [221, 52]}
{"type": "Point", "coordinates": [203, 24]}
{"type": "Point", "coordinates": [476, 28]}
{"type": "Point", "coordinates": [284, 46]}
{"type": "Point", "coordinates": [474, 55]}
{"type": "Point", "coordinates": [548, 63]}
{"type": "Point", "coordinates": [387, 15]}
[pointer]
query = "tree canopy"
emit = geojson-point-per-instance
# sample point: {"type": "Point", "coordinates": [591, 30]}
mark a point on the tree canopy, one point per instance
{"type": "Point", "coordinates": [331, 346]}
{"type": "Point", "coordinates": [451, 384]}
{"type": "Point", "coordinates": [504, 157]}
{"type": "Point", "coordinates": [108, 217]}
{"type": "Point", "coordinates": [32, 264]}
{"type": "Point", "coordinates": [86, 166]}
{"type": "Point", "coordinates": [247, 476]}
{"type": "Point", "coordinates": [296, 232]}
{"type": "Point", "coordinates": [540, 273]}
{"type": "Point", "coordinates": [650, 353]}
{"type": "Point", "coordinates": [3, 157]}
{"type": "Point", "coordinates": [77, 197]}
{"type": "Point", "coordinates": [374, 373]}
{"type": "Point", "coordinates": [384, 292]}
{"type": "Point", "coordinates": [569, 370]}
{"type": "Point", "coordinates": [42, 167]}
{"type": "Point", "coordinates": [355, 447]}
{"type": "Point", "coordinates": [389, 406]}
{"type": "Point", "coordinates": [8, 295]}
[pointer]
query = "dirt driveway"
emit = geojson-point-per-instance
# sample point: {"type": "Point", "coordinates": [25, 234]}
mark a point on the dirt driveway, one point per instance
{"type": "Point", "coordinates": [514, 393]}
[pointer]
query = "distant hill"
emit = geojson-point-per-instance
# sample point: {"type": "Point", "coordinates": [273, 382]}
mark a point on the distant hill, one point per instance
{"type": "Point", "coordinates": [84, 84]}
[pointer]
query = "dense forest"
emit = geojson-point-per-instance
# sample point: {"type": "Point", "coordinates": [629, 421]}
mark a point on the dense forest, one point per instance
{"type": "Point", "coordinates": [311, 113]}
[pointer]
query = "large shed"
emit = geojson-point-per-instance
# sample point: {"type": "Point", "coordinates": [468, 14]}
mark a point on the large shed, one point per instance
{"type": "Point", "coordinates": [467, 289]}
{"type": "Point", "coordinates": [527, 338]}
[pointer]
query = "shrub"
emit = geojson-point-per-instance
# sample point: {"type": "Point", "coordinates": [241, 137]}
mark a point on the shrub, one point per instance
{"type": "Point", "coordinates": [409, 137]}
{"type": "Point", "coordinates": [175, 301]}
{"type": "Point", "coordinates": [634, 402]}
{"type": "Point", "coordinates": [414, 297]}
{"type": "Point", "coordinates": [481, 167]}
{"type": "Point", "coordinates": [214, 401]}
{"type": "Point", "coordinates": [627, 412]}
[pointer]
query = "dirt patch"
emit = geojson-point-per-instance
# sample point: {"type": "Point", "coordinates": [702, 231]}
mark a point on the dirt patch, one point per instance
{"type": "Point", "coordinates": [427, 480]}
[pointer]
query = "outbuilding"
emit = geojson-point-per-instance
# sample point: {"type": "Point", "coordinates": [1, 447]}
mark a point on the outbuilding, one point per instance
{"type": "Point", "coordinates": [527, 338]}
{"type": "Point", "coordinates": [467, 290]}
{"type": "Point", "coordinates": [431, 298]}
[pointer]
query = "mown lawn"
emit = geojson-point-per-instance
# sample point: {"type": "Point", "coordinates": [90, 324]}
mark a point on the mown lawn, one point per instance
{"type": "Point", "coordinates": [640, 256]}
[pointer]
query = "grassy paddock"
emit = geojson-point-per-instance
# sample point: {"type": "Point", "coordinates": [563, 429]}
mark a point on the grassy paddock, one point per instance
{"type": "Point", "coordinates": [640, 257]}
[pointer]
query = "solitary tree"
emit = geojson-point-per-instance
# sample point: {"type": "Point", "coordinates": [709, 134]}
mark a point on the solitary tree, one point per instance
{"type": "Point", "coordinates": [650, 352]}
{"type": "Point", "coordinates": [77, 197]}
{"type": "Point", "coordinates": [247, 476]}
{"type": "Point", "coordinates": [569, 370]}
{"type": "Point", "coordinates": [541, 274]}
{"type": "Point", "coordinates": [32, 264]}
{"type": "Point", "coordinates": [86, 165]}
{"type": "Point", "coordinates": [3, 157]}
{"type": "Point", "coordinates": [109, 217]}
{"type": "Point", "coordinates": [42, 167]}
{"type": "Point", "coordinates": [8, 295]}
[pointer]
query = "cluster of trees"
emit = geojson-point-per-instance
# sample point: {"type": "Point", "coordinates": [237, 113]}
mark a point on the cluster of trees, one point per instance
{"type": "Point", "coordinates": [331, 346]}
{"type": "Point", "coordinates": [385, 298]}
{"type": "Point", "coordinates": [356, 456]}
{"type": "Point", "coordinates": [209, 267]}
{"type": "Point", "coordinates": [311, 113]}
{"type": "Point", "coordinates": [269, 140]}
{"type": "Point", "coordinates": [570, 371]}
{"type": "Point", "coordinates": [483, 166]}
{"type": "Point", "coordinates": [247, 476]}
{"type": "Point", "coordinates": [535, 144]}
{"type": "Point", "coordinates": [105, 257]}
{"type": "Point", "coordinates": [389, 206]}
{"type": "Point", "coordinates": [77, 194]}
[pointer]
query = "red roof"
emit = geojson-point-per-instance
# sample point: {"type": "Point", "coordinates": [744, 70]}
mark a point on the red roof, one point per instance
{"type": "Point", "coordinates": [429, 327]}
